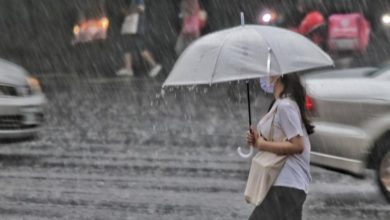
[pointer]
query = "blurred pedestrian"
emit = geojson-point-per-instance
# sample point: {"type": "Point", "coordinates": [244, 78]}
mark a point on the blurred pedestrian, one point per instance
{"type": "Point", "coordinates": [286, 120]}
{"type": "Point", "coordinates": [193, 20]}
{"type": "Point", "coordinates": [133, 38]}
{"type": "Point", "coordinates": [313, 26]}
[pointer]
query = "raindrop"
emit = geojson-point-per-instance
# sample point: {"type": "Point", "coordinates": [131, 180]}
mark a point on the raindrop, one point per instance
{"type": "Point", "coordinates": [191, 88]}
{"type": "Point", "coordinates": [162, 93]}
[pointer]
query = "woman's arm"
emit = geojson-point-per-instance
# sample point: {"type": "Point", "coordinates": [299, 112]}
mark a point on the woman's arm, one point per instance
{"type": "Point", "coordinates": [294, 146]}
{"type": "Point", "coordinates": [290, 123]}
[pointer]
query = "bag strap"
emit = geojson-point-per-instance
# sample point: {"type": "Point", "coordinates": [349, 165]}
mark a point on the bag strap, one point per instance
{"type": "Point", "coordinates": [271, 133]}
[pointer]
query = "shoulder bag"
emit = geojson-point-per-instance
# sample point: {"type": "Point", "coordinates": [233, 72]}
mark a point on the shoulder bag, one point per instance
{"type": "Point", "coordinates": [265, 168]}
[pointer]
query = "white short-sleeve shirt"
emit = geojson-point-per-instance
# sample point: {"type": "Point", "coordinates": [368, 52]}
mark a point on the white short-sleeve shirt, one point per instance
{"type": "Point", "coordinates": [287, 123]}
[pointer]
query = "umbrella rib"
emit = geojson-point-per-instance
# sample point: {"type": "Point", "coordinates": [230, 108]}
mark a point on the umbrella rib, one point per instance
{"type": "Point", "coordinates": [219, 55]}
{"type": "Point", "coordinates": [269, 46]}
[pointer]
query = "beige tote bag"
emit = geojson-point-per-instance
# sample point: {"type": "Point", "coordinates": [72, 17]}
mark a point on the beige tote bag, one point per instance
{"type": "Point", "coordinates": [264, 170]}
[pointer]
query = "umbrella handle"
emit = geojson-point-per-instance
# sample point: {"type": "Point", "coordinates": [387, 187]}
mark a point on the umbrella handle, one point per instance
{"type": "Point", "coordinates": [243, 155]}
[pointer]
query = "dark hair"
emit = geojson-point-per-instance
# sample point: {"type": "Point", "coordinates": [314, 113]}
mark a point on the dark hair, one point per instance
{"type": "Point", "coordinates": [293, 88]}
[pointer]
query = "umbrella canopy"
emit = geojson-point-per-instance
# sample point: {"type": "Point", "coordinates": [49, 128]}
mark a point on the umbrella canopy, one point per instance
{"type": "Point", "coordinates": [245, 52]}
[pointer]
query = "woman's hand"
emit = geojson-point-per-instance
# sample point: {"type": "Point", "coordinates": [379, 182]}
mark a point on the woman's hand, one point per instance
{"type": "Point", "coordinates": [251, 137]}
{"type": "Point", "coordinates": [254, 139]}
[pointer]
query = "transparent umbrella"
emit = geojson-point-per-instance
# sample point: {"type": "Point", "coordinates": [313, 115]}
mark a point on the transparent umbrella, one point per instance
{"type": "Point", "coordinates": [243, 53]}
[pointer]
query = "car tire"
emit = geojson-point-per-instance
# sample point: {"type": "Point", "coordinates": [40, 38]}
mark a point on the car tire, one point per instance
{"type": "Point", "coordinates": [382, 165]}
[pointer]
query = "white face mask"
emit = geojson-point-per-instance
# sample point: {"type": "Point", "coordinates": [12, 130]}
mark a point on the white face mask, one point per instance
{"type": "Point", "coordinates": [267, 85]}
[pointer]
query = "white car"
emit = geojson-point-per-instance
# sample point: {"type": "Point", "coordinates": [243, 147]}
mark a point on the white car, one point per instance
{"type": "Point", "coordinates": [22, 102]}
{"type": "Point", "coordinates": [351, 114]}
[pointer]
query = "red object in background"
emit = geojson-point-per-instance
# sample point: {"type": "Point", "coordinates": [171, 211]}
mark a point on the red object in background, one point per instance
{"type": "Point", "coordinates": [202, 23]}
{"type": "Point", "coordinates": [312, 27]}
{"type": "Point", "coordinates": [310, 22]}
{"type": "Point", "coordinates": [308, 103]}
{"type": "Point", "coordinates": [191, 25]}
{"type": "Point", "coordinates": [348, 32]}
{"type": "Point", "coordinates": [317, 39]}
{"type": "Point", "coordinates": [294, 29]}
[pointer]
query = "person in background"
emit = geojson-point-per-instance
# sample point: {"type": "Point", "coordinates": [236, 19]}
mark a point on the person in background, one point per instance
{"type": "Point", "coordinates": [193, 20]}
{"type": "Point", "coordinates": [133, 37]}
{"type": "Point", "coordinates": [313, 26]}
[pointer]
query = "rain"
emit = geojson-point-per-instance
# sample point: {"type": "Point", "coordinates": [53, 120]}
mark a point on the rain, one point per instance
{"type": "Point", "coordinates": [88, 133]}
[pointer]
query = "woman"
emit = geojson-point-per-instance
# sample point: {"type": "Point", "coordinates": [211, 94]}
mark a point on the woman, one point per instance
{"type": "Point", "coordinates": [287, 115]}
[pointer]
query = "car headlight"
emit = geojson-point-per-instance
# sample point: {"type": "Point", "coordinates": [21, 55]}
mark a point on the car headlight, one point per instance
{"type": "Point", "coordinates": [104, 22]}
{"type": "Point", "coordinates": [386, 19]}
{"type": "Point", "coordinates": [34, 85]}
{"type": "Point", "coordinates": [76, 30]}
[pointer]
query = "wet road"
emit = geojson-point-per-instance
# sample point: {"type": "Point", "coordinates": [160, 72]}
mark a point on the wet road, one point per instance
{"type": "Point", "coordinates": [117, 148]}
